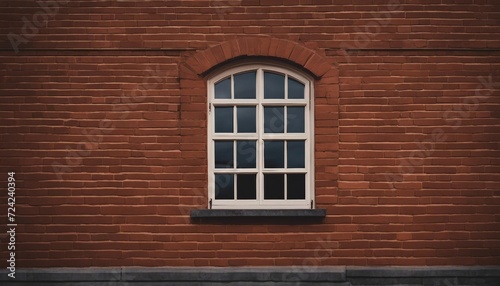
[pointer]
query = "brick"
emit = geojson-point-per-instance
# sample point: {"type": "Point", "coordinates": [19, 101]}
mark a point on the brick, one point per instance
{"type": "Point", "coordinates": [123, 192]}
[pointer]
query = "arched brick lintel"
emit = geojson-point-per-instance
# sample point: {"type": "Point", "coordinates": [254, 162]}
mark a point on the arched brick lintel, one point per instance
{"type": "Point", "coordinates": [309, 59]}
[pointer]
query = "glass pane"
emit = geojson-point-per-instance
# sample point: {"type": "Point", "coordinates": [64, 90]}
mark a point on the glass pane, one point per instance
{"type": "Point", "coordinates": [274, 120]}
{"type": "Point", "coordinates": [274, 85]}
{"type": "Point", "coordinates": [224, 119]}
{"type": "Point", "coordinates": [224, 154]}
{"type": "Point", "coordinates": [246, 154]}
{"type": "Point", "coordinates": [295, 119]}
{"type": "Point", "coordinates": [246, 186]}
{"type": "Point", "coordinates": [223, 89]}
{"type": "Point", "coordinates": [295, 89]}
{"type": "Point", "coordinates": [296, 186]}
{"type": "Point", "coordinates": [274, 154]}
{"type": "Point", "coordinates": [224, 186]}
{"type": "Point", "coordinates": [295, 154]}
{"type": "Point", "coordinates": [244, 85]}
{"type": "Point", "coordinates": [274, 187]}
{"type": "Point", "coordinates": [246, 119]}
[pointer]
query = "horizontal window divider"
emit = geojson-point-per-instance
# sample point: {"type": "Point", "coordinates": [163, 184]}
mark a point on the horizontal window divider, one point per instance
{"type": "Point", "coordinates": [238, 136]}
{"type": "Point", "coordinates": [284, 102]}
{"type": "Point", "coordinates": [237, 102]}
{"type": "Point", "coordinates": [273, 136]}
{"type": "Point", "coordinates": [235, 171]}
{"type": "Point", "coordinates": [283, 171]}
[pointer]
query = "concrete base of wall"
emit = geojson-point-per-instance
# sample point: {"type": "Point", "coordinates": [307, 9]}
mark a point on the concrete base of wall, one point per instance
{"type": "Point", "coordinates": [331, 276]}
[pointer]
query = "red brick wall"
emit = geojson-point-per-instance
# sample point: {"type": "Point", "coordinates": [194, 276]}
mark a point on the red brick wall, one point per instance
{"type": "Point", "coordinates": [103, 119]}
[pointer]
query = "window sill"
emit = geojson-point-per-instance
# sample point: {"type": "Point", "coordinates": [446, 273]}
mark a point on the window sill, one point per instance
{"type": "Point", "coordinates": [213, 213]}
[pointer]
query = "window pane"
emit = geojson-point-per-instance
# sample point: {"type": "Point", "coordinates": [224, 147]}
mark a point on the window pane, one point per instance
{"type": "Point", "coordinates": [244, 85]}
{"type": "Point", "coordinates": [246, 186]}
{"type": "Point", "coordinates": [296, 186]}
{"type": "Point", "coordinates": [295, 119]}
{"type": "Point", "coordinates": [224, 154]}
{"type": "Point", "coordinates": [246, 119]}
{"type": "Point", "coordinates": [295, 154]}
{"type": "Point", "coordinates": [246, 154]}
{"type": "Point", "coordinates": [274, 154]}
{"type": "Point", "coordinates": [224, 119]}
{"type": "Point", "coordinates": [224, 186]}
{"type": "Point", "coordinates": [295, 89]}
{"type": "Point", "coordinates": [274, 187]}
{"type": "Point", "coordinates": [274, 119]}
{"type": "Point", "coordinates": [223, 89]}
{"type": "Point", "coordinates": [274, 85]}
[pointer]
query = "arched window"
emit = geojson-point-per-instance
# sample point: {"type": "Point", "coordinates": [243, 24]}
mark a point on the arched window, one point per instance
{"type": "Point", "coordinates": [260, 138]}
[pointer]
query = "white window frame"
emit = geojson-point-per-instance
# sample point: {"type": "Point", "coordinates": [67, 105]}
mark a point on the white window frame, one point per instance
{"type": "Point", "coordinates": [260, 136]}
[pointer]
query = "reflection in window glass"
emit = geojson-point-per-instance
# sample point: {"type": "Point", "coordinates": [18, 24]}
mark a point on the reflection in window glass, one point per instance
{"type": "Point", "coordinates": [223, 89]}
{"type": "Point", "coordinates": [274, 186]}
{"type": "Point", "coordinates": [224, 186]}
{"type": "Point", "coordinates": [274, 86]}
{"type": "Point", "coordinates": [224, 154]}
{"type": "Point", "coordinates": [246, 154]}
{"type": "Point", "coordinates": [295, 119]}
{"type": "Point", "coordinates": [223, 119]}
{"type": "Point", "coordinates": [244, 85]}
{"type": "Point", "coordinates": [295, 154]}
{"type": "Point", "coordinates": [274, 154]}
{"type": "Point", "coordinates": [296, 186]}
{"type": "Point", "coordinates": [246, 119]}
{"type": "Point", "coordinates": [295, 89]}
{"type": "Point", "coordinates": [246, 186]}
{"type": "Point", "coordinates": [274, 119]}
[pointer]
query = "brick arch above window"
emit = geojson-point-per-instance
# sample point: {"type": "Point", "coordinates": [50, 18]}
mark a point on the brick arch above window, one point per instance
{"type": "Point", "coordinates": [311, 60]}
{"type": "Point", "coordinates": [192, 106]}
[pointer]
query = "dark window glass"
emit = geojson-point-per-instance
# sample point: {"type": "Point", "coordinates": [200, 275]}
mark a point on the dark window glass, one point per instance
{"type": "Point", "coordinates": [244, 85]}
{"type": "Point", "coordinates": [296, 186]}
{"type": "Point", "coordinates": [246, 154]}
{"type": "Point", "coordinates": [295, 119]}
{"type": "Point", "coordinates": [224, 154]}
{"type": "Point", "coordinates": [274, 187]}
{"type": "Point", "coordinates": [274, 119]}
{"type": "Point", "coordinates": [295, 154]}
{"type": "Point", "coordinates": [246, 186]}
{"type": "Point", "coordinates": [223, 89]}
{"type": "Point", "coordinates": [246, 119]}
{"type": "Point", "coordinates": [223, 119]}
{"type": "Point", "coordinates": [224, 186]}
{"type": "Point", "coordinates": [274, 85]}
{"type": "Point", "coordinates": [274, 154]}
{"type": "Point", "coordinates": [295, 89]}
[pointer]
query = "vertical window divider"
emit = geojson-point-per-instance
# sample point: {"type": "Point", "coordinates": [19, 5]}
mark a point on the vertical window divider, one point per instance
{"type": "Point", "coordinates": [285, 167]}
{"type": "Point", "coordinates": [235, 119]}
{"type": "Point", "coordinates": [260, 129]}
{"type": "Point", "coordinates": [286, 86]}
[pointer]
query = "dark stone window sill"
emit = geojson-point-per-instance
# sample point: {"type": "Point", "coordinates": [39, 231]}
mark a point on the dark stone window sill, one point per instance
{"type": "Point", "coordinates": [214, 213]}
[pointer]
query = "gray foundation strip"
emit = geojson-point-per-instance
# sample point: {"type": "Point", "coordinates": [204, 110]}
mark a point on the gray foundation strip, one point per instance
{"type": "Point", "coordinates": [337, 276]}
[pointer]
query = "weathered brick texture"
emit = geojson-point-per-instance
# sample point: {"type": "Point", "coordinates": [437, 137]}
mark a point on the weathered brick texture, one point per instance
{"type": "Point", "coordinates": [103, 119]}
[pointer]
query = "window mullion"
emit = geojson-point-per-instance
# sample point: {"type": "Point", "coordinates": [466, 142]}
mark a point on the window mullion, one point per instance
{"type": "Point", "coordinates": [260, 130]}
